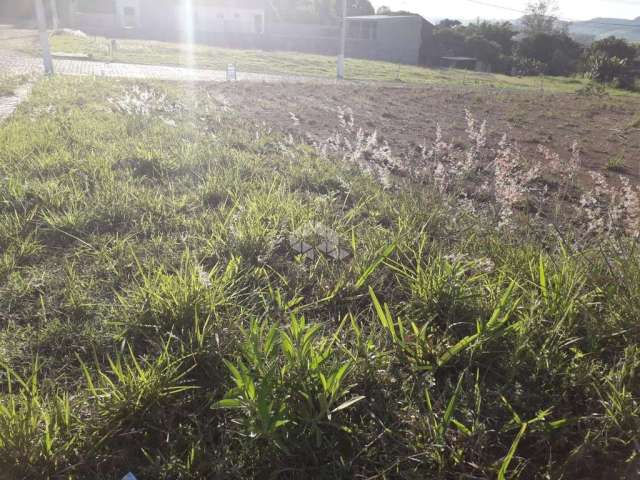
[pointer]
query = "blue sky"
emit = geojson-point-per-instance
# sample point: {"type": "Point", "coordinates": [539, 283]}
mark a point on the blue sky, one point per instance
{"type": "Point", "coordinates": [468, 9]}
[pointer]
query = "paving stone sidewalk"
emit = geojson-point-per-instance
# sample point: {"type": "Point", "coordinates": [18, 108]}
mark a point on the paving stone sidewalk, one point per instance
{"type": "Point", "coordinates": [15, 63]}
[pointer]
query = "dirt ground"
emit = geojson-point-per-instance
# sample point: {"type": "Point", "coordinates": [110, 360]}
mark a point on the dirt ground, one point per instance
{"type": "Point", "coordinates": [606, 128]}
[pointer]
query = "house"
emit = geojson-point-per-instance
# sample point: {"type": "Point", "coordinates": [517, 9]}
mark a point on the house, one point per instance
{"type": "Point", "coordinates": [169, 19]}
{"type": "Point", "coordinates": [393, 38]}
{"type": "Point", "coordinates": [404, 39]}
{"type": "Point", "coordinates": [23, 13]}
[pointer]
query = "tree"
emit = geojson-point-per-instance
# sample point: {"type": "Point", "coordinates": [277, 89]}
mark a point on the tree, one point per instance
{"type": "Point", "coordinates": [359, 7]}
{"type": "Point", "coordinates": [449, 42]}
{"type": "Point", "coordinates": [384, 10]}
{"type": "Point", "coordinates": [540, 17]}
{"type": "Point", "coordinates": [483, 49]}
{"type": "Point", "coordinates": [448, 23]}
{"type": "Point", "coordinates": [611, 60]}
{"type": "Point", "coordinates": [615, 47]}
{"type": "Point", "coordinates": [487, 41]}
{"type": "Point", "coordinates": [557, 53]}
{"type": "Point", "coordinates": [500, 32]}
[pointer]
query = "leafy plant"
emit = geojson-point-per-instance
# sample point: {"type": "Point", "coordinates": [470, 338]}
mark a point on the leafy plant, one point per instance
{"type": "Point", "coordinates": [39, 433]}
{"type": "Point", "coordinates": [288, 384]}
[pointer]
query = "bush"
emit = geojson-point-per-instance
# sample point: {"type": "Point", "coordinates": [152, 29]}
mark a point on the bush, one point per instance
{"type": "Point", "coordinates": [610, 61]}
{"type": "Point", "coordinates": [556, 51]}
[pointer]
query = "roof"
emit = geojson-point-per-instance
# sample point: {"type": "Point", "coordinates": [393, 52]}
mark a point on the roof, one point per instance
{"type": "Point", "coordinates": [232, 3]}
{"type": "Point", "coordinates": [240, 4]}
{"type": "Point", "coordinates": [385, 18]}
{"type": "Point", "coordinates": [380, 17]}
{"type": "Point", "coordinates": [460, 59]}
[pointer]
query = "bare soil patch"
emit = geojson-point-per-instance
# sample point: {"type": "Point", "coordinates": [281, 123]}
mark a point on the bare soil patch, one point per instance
{"type": "Point", "coordinates": [604, 127]}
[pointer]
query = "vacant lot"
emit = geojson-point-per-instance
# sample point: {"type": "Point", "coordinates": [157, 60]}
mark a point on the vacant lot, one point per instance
{"type": "Point", "coordinates": [191, 287]}
{"type": "Point", "coordinates": [606, 128]}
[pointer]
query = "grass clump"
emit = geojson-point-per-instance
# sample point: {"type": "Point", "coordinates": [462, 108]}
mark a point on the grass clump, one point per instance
{"type": "Point", "coordinates": [616, 164]}
{"type": "Point", "coordinates": [157, 317]}
{"type": "Point", "coordinates": [635, 123]}
{"type": "Point", "coordinates": [9, 84]}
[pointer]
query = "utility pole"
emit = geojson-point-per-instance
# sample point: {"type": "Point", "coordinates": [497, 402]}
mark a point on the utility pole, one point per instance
{"type": "Point", "coordinates": [343, 41]}
{"type": "Point", "coordinates": [44, 38]}
{"type": "Point", "coordinates": [55, 21]}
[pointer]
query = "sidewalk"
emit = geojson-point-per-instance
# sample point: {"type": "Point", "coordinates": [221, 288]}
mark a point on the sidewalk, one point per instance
{"type": "Point", "coordinates": [15, 63]}
{"type": "Point", "coordinates": [9, 104]}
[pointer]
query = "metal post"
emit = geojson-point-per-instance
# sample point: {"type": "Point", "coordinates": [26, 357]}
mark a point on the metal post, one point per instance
{"type": "Point", "coordinates": [343, 41]}
{"type": "Point", "coordinates": [44, 38]}
{"type": "Point", "coordinates": [55, 21]}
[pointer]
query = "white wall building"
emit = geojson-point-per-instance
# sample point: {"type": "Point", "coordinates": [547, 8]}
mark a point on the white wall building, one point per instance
{"type": "Point", "coordinates": [164, 16]}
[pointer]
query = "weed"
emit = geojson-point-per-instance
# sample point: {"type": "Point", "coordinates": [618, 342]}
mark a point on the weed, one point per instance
{"type": "Point", "coordinates": [616, 164]}
{"type": "Point", "coordinates": [156, 316]}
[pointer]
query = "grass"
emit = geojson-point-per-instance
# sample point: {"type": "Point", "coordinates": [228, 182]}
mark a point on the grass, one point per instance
{"type": "Point", "coordinates": [616, 163]}
{"type": "Point", "coordinates": [635, 123]}
{"type": "Point", "coordinates": [157, 320]}
{"type": "Point", "coordinates": [291, 63]}
{"type": "Point", "coordinates": [9, 84]}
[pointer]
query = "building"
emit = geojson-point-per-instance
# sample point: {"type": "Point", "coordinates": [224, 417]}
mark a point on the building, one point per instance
{"type": "Point", "coordinates": [393, 38]}
{"type": "Point", "coordinates": [404, 39]}
{"type": "Point", "coordinates": [22, 12]}
{"type": "Point", "coordinates": [200, 20]}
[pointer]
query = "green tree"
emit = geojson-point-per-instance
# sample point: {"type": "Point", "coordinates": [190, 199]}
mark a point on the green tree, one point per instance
{"type": "Point", "coordinates": [556, 52]}
{"type": "Point", "coordinates": [540, 17]}
{"type": "Point", "coordinates": [448, 23]}
{"type": "Point", "coordinates": [615, 47]}
{"type": "Point", "coordinates": [360, 7]}
{"type": "Point", "coordinates": [611, 60]}
{"type": "Point", "coordinates": [487, 41]}
{"type": "Point", "coordinates": [449, 42]}
{"type": "Point", "coordinates": [483, 49]}
{"type": "Point", "coordinates": [500, 32]}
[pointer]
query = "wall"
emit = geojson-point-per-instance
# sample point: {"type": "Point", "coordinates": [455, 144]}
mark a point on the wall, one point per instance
{"type": "Point", "coordinates": [163, 16]}
{"type": "Point", "coordinates": [398, 40]}
{"type": "Point", "coordinates": [122, 20]}
{"type": "Point", "coordinates": [428, 53]}
{"type": "Point", "coordinates": [218, 20]}
{"type": "Point", "coordinates": [405, 40]}
{"type": "Point", "coordinates": [166, 20]}
{"type": "Point", "coordinates": [16, 10]}
{"type": "Point", "coordinates": [96, 23]}
{"type": "Point", "coordinates": [300, 37]}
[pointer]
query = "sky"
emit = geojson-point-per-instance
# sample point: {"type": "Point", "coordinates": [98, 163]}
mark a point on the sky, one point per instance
{"type": "Point", "coordinates": [471, 9]}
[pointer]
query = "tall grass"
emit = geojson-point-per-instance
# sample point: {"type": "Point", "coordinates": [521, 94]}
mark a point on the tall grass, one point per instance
{"type": "Point", "coordinates": [156, 317]}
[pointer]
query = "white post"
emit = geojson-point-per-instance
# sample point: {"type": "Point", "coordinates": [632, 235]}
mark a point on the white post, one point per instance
{"type": "Point", "coordinates": [44, 38]}
{"type": "Point", "coordinates": [55, 20]}
{"type": "Point", "coordinates": [343, 41]}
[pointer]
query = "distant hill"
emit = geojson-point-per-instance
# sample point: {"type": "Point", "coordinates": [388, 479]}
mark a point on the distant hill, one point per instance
{"type": "Point", "coordinates": [605, 27]}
